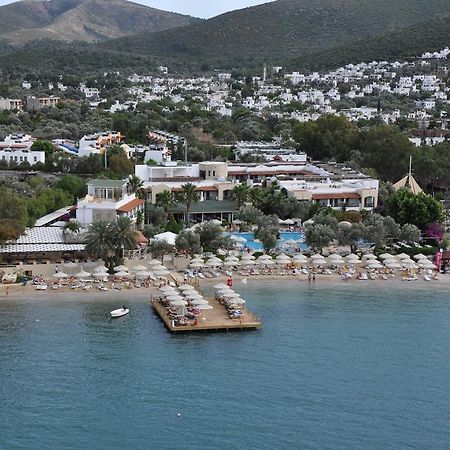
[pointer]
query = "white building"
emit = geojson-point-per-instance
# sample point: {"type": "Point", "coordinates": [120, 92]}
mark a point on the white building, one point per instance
{"type": "Point", "coordinates": [17, 148]}
{"type": "Point", "coordinates": [106, 200]}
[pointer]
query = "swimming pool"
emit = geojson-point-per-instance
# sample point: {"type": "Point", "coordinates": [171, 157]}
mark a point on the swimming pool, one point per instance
{"type": "Point", "coordinates": [288, 240]}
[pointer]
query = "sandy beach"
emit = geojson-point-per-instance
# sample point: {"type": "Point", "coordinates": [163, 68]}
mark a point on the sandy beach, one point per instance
{"type": "Point", "coordinates": [129, 294]}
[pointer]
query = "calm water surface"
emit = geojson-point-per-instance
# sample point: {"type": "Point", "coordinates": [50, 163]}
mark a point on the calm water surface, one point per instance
{"type": "Point", "coordinates": [335, 367]}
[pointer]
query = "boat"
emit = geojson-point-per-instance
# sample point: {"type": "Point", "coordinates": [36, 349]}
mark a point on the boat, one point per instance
{"type": "Point", "coordinates": [119, 312]}
{"type": "Point", "coordinates": [41, 287]}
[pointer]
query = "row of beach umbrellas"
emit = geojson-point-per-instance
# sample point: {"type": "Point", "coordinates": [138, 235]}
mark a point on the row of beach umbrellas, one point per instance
{"type": "Point", "coordinates": [369, 260]}
{"type": "Point", "coordinates": [184, 295]}
{"type": "Point", "coordinates": [101, 271]}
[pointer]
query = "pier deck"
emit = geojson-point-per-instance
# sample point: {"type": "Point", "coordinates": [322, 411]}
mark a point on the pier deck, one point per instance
{"type": "Point", "coordinates": [211, 320]}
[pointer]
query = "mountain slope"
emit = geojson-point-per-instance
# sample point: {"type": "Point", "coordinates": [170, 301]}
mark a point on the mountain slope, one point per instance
{"type": "Point", "coordinates": [399, 45]}
{"type": "Point", "coordinates": [283, 29]}
{"type": "Point", "coordinates": [82, 20]}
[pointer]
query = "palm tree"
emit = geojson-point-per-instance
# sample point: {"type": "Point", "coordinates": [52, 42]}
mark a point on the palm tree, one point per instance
{"type": "Point", "coordinates": [165, 200]}
{"type": "Point", "coordinates": [123, 235]}
{"type": "Point", "coordinates": [98, 243]}
{"type": "Point", "coordinates": [188, 197]}
{"type": "Point", "coordinates": [241, 193]}
{"type": "Point", "coordinates": [136, 185]}
{"type": "Point", "coordinates": [108, 241]}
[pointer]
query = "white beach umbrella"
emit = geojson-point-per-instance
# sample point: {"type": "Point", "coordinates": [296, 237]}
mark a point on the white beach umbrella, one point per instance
{"type": "Point", "coordinates": [230, 295]}
{"type": "Point", "coordinates": [317, 255]}
{"type": "Point", "coordinates": [426, 264]}
{"type": "Point", "coordinates": [121, 274]}
{"type": "Point", "coordinates": [83, 274]}
{"type": "Point", "coordinates": [236, 301]}
{"type": "Point", "coordinates": [121, 268]}
{"type": "Point", "coordinates": [248, 262]}
{"type": "Point", "coordinates": [402, 256]}
{"type": "Point", "coordinates": [101, 275]}
{"type": "Point", "coordinates": [300, 256]}
{"type": "Point", "coordinates": [161, 273]}
{"type": "Point", "coordinates": [101, 269]}
{"type": "Point", "coordinates": [393, 265]}
{"type": "Point", "coordinates": [248, 256]}
{"type": "Point", "coordinates": [390, 260]}
{"type": "Point", "coordinates": [178, 303]}
{"type": "Point", "coordinates": [265, 256]}
{"type": "Point", "coordinates": [204, 307]}
{"type": "Point", "coordinates": [194, 297]}
{"type": "Point", "coordinates": [231, 263]}
{"type": "Point", "coordinates": [409, 265]}
{"type": "Point", "coordinates": [143, 274]}
{"type": "Point", "coordinates": [139, 268]}
{"type": "Point", "coordinates": [335, 256]}
{"type": "Point", "coordinates": [60, 275]}
{"type": "Point", "coordinates": [231, 258]}
{"type": "Point", "coordinates": [224, 290]}
{"type": "Point", "coordinates": [197, 265]}
{"type": "Point", "coordinates": [374, 265]}
{"type": "Point", "coordinates": [268, 262]}
{"type": "Point", "coordinates": [419, 256]}
{"type": "Point", "coordinates": [386, 256]}
{"type": "Point", "coordinates": [213, 263]}
{"type": "Point", "coordinates": [185, 286]}
{"type": "Point", "coordinates": [173, 297]}
{"type": "Point", "coordinates": [197, 302]}
{"type": "Point", "coordinates": [166, 292]}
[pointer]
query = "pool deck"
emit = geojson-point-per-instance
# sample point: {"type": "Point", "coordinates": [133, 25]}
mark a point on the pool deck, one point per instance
{"type": "Point", "coordinates": [211, 320]}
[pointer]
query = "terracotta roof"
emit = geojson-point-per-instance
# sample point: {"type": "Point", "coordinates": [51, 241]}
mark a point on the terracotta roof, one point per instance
{"type": "Point", "coordinates": [335, 195]}
{"type": "Point", "coordinates": [130, 205]}
{"type": "Point", "coordinates": [141, 239]}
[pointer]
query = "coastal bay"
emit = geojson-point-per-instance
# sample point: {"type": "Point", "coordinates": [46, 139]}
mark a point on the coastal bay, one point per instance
{"type": "Point", "coordinates": [336, 365]}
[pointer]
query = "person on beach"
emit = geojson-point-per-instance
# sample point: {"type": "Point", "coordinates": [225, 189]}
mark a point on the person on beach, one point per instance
{"type": "Point", "coordinates": [309, 278]}
{"type": "Point", "coordinates": [314, 278]}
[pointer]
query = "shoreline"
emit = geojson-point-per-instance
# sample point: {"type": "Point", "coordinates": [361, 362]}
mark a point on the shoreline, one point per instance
{"type": "Point", "coordinates": [17, 291]}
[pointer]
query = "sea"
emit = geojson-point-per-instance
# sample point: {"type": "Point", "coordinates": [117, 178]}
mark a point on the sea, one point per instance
{"type": "Point", "coordinates": [335, 366]}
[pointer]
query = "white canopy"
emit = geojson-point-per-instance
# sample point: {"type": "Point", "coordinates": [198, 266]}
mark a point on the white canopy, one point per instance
{"type": "Point", "coordinates": [121, 268]}
{"type": "Point", "coordinates": [139, 268]}
{"type": "Point", "coordinates": [168, 237]}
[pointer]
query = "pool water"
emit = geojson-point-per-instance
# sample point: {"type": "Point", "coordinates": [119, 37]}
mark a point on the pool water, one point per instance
{"type": "Point", "coordinates": [283, 242]}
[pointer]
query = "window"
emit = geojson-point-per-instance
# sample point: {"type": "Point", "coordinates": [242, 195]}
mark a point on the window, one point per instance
{"type": "Point", "coordinates": [369, 202]}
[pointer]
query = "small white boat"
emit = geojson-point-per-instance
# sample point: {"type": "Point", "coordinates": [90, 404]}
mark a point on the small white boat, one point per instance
{"type": "Point", "coordinates": [102, 288]}
{"type": "Point", "coordinates": [41, 287]}
{"type": "Point", "coordinates": [119, 312]}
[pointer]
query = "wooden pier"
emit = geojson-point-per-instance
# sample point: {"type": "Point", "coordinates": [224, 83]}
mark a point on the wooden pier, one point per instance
{"type": "Point", "coordinates": [215, 319]}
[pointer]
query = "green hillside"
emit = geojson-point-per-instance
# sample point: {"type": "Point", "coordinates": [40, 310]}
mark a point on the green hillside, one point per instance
{"type": "Point", "coordinates": [403, 44]}
{"type": "Point", "coordinates": [281, 30]}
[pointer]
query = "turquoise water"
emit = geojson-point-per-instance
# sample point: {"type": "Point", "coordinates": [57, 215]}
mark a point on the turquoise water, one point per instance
{"type": "Point", "coordinates": [284, 238]}
{"type": "Point", "coordinates": [334, 367]}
